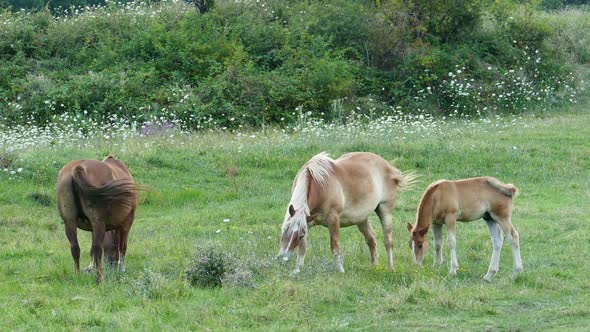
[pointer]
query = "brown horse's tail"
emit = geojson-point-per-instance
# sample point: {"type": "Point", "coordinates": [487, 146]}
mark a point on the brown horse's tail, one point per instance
{"type": "Point", "coordinates": [120, 191]}
{"type": "Point", "coordinates": [509, 190]}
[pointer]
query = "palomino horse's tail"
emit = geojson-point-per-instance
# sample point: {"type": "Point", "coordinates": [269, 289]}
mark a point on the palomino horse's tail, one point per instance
{"type": "Point", "coordinates": [121, 191]}
{"type": "Point", "coordinates": [509, 190]}
{"type": "Point", "coordinates": [406, 180]}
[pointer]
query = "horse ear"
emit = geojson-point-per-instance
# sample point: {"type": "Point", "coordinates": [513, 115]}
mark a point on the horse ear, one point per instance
{"type": "Point", "coordinates": [410, 227]}
{"type": "Point", "coordinates": [291, 210]}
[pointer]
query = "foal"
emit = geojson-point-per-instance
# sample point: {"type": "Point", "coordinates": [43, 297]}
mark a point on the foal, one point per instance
{"type": "Point", "coordinates": [340, 193]}
{"type": "Point", "coordinates": [466, 200]}
{"type": "Point", "coordinates": [97, 196]}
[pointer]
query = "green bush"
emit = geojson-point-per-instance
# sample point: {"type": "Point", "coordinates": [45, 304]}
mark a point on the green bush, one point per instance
{"type": "Point", "coordinates": [207, 268]}
{"type": "Point", "coordinates": [258, 63]}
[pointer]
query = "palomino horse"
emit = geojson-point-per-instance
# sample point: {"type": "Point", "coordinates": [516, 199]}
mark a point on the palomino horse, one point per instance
{"type": "Point", "coordinates": [466, 200]}
{"type": "Point", "coordinates": [340, 193]}
{"type": "Point", "coordinates": [97, 196]}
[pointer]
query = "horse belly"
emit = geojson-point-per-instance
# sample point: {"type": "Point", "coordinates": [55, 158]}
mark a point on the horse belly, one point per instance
{"type": "Point", "coordinates": [471, 213]}
{"type": "Point", "coordinates": [84, 224]}
{"type": "Point", "coordinates": [350, 217]}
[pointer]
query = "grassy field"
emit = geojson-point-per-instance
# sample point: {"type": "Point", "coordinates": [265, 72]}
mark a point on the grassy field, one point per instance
{"type": "Point", "coordinates": [198, 181]}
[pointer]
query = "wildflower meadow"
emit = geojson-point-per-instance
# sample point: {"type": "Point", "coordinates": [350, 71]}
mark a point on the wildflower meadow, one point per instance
{"type": "Point", "coordinates": [215, 133]}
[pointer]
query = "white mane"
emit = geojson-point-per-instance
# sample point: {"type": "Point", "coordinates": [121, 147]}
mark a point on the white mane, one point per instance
{"type": "Point", "coordinates": [320, 167]}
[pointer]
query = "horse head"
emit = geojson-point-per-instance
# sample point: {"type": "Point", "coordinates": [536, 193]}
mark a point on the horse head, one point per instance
{"type": "Point", "coordinates": [418, 243]}
{"type": "Point", "coordinates": [294, 230]}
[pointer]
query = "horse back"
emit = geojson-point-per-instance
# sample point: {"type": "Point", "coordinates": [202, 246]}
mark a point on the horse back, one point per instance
{"type": "Point", "coordinates": [365, 172]}
{"type": "Point", "coordinates": [118, 168]}
{"type": "Point", "coordinates": [364, 180]}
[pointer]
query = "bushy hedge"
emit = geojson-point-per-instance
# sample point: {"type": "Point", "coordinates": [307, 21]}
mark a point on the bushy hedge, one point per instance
{"type": "Point", "coordinates": [264, 62]}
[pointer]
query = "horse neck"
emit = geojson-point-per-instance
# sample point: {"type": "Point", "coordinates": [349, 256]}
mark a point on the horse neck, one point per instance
{"type": "Point", "coordinates": [424, 213]}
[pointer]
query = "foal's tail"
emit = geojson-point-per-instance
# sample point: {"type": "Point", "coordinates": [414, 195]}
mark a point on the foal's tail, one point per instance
{"type": "Point", "coordinates": [121, 191]}
{"type": "Point", "coordinates": [509, 190]}
{"type": "Point", "coordinates": [406, 180]}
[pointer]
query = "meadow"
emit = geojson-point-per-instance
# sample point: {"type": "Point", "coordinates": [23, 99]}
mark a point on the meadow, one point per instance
{"type": "Point", "coordinates": [228, 190]}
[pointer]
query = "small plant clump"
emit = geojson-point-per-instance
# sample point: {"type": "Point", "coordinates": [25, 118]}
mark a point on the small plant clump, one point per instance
{"type": "Point", "coordinates": [241, 277]}
{"type": "Point", "coordinates": [149, 284]}
{"type": "Point", "coordinates": [208, 268]}
{"type": "Point", "coordinates": [212, 267]}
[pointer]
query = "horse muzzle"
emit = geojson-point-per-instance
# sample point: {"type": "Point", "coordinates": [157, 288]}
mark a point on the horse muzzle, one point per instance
{"type": "Point", "coordinates": [284, 255]}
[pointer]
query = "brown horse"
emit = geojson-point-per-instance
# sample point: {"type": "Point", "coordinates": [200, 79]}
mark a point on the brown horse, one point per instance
{"type": "Point", "coordinates": [446, 202]}
{"type": "Point", "coordinates": [340, 193]}
{"type": "Point", "coordinates": [97, 196]}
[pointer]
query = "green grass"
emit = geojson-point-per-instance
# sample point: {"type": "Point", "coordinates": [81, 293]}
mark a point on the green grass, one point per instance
{"type": "Point", "coordinates": [213, 176]}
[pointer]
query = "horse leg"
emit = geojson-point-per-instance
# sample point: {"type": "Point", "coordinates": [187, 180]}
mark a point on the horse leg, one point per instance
{"type": "Point", "coordinates": [71, 234]}
{"type": "Point", "coordinates": [369, 234]}
{"type": "Point", "coordinates": [301, 250]}
{"type": "Point", "coordinates": [451, 222]}
{"type": "Point", "coordinates": [334, 228]}
{"type": "Point", "coordinates": [497, 241]}
{"type": "Point", "coordinates": [438, 243]}
{"type": "Point", "coordinates": [90, 267]}
{"type": "Point", "coordinates": [512, 235]}
{"type": "Point", "coordinates": [385, 212]}
{"type": "Point", "coordinates": [98, 231]}
{"type": "Point", "coordinates": [123, 236]}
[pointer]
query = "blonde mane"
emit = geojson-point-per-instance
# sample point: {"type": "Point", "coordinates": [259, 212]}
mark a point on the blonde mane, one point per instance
{"type": "Point", "coordinates": [319, 167]}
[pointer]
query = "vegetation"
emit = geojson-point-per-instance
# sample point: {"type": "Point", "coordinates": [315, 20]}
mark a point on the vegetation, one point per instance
{"type": "Point", "coordinates": [208, 268]}
{"type": "Point", "coordinates": [229, 191]}
{"type": "Point", "coordinates": [257, 63]}
{"type": "Point", "coordinates": [478, 88]}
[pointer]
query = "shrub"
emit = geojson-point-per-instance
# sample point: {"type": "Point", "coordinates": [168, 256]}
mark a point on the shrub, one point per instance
{"type": "Point", "coordinates": [149, 284]}
{"type": "Point", "coordinates": [207, 268]}
{"type": "Point", "coordinates": [254, 63]}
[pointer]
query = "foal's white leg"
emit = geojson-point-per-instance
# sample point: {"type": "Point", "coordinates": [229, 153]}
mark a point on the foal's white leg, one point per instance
{"type": "Point", "coordinates": [301, 250]}
{"type": "Point", "coordinates": [497, 241]}
{"type": "Point", "coordinates": [438, 242]}
{"type": "Point", "coordinates": [451, 222]}
{"type": "Point", "coordinates": [512, 235]}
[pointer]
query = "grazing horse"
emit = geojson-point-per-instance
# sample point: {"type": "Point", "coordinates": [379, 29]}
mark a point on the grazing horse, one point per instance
{"type": "Point", "coordinates": [466, 200]}
{"type": "Point", "coordinates": [340, 193]}
{"type": "Point", "coordinates": [97, 196]}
